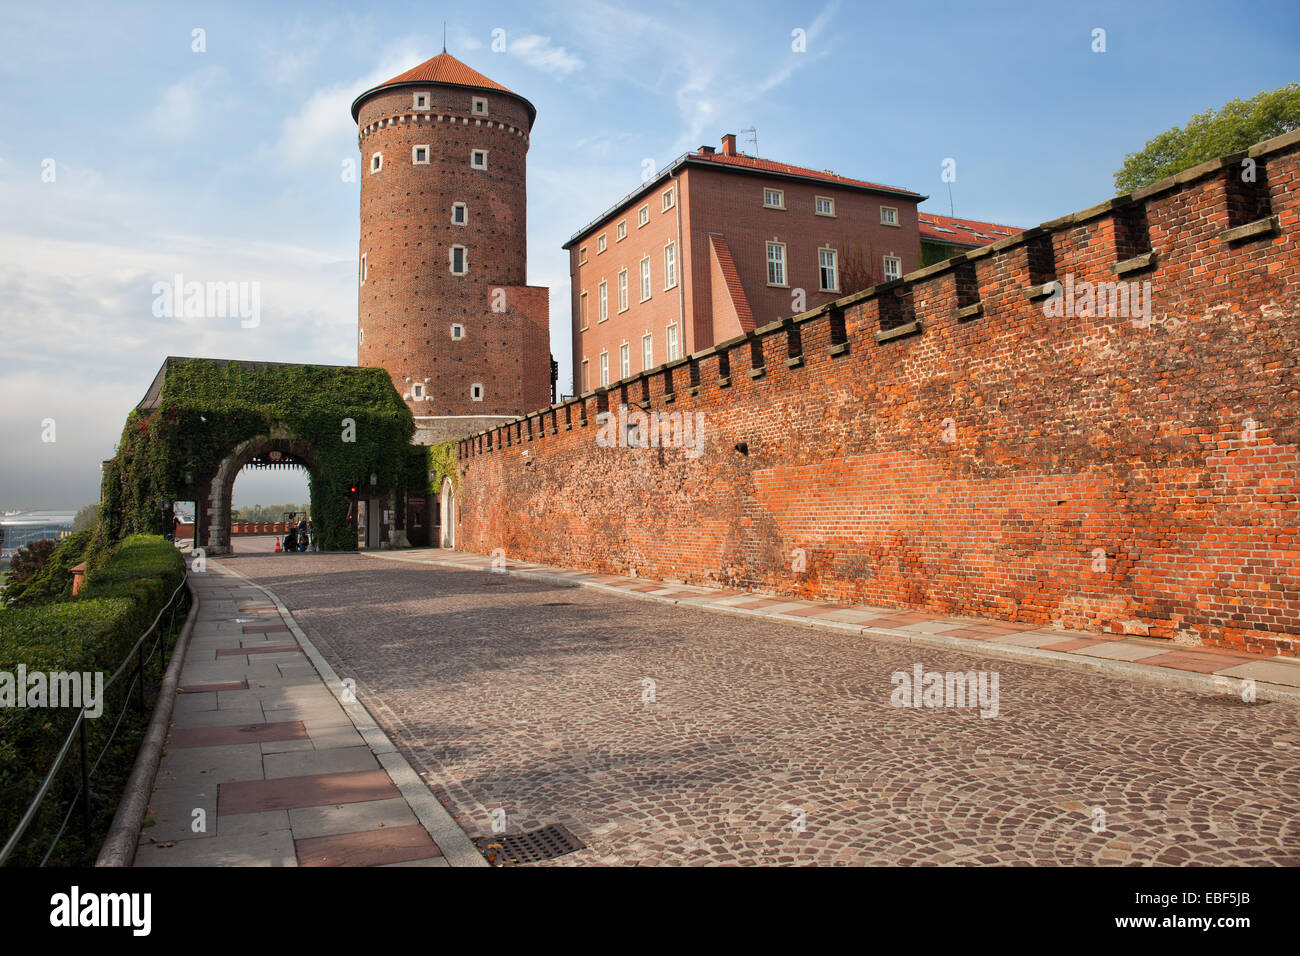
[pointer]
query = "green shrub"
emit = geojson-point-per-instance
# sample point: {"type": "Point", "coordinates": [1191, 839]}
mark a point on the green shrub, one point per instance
{"type": "Point", "coordinates": [92, 632]}
{"type": "Point", "coordinates": [53, 582]}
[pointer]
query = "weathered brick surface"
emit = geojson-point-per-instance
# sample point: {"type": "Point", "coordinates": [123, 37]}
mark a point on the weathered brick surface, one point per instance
{"type": "Point", "coordinates": [1168, 447]}
{"type": "Point", "coordinates": [410, 299]}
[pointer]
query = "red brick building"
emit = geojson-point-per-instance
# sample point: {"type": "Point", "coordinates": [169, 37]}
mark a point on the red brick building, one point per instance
{"type": "Point", "coordinates": [444, 303]}
{"type": "Point", "coordinates": [719, 243]}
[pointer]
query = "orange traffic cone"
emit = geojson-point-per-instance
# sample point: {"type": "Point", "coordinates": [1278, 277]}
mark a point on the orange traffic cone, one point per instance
{"type": "Point", "coordinates": [277, 545]}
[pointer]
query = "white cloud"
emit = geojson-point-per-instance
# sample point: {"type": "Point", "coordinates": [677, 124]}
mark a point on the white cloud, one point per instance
{"type": "Point", "coordinates": [325, 120]}
{"type": "Point", "coordinates": [180, 110]}
{"type": "Point", "coordinates": [538, 52]}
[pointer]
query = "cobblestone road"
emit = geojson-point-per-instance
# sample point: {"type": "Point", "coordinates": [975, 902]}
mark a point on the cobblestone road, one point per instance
{"type": "Point", "coordinates": [527, 697]}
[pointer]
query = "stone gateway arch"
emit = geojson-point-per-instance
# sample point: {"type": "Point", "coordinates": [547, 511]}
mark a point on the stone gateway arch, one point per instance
{"type": "Point", "coordinates": [204, 420]}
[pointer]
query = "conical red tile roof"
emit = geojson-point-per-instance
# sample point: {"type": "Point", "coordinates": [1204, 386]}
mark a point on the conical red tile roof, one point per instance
{"type": "Point", "coordinates": [446, 70]}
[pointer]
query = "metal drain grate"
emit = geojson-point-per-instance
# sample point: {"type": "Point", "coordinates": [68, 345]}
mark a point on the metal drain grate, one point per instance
{"type": "Point", "coordinates": [512, 849]}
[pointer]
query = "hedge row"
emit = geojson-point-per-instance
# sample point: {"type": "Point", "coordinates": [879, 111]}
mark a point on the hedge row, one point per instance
{"type": "Point", "coordinates": [92, 632]}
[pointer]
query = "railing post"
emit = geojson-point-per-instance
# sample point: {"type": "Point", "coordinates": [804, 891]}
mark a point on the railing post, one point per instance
{"type": "Point", "coordinates": [140, 675]}
{"type": "Point", "coordinates": [85, 785]}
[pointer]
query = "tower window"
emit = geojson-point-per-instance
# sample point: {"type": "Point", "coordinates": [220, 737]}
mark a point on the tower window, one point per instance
{"type": "Point", "coordinates": [828, 264]}
{"type": "Point", "coordinates": [668, 199]}
{"type": "Point", "coordinates": [458, 264]}
{"type": "Point", "coordinates": [586, 375]}
{"type": "Point", "coordinates": [624, 360]}
{"type": "Point", "coordinates": [893, 267]}
{"type": "Point", "coordinates": [825, 206]}
{"type": "Point", "coordinates": [620, 231]}
{"type": "Point", "coordinates": [479, 106]}
{"type": "Point", "coordinates": [417, 391]}
{"type": "Point", "coordinates": [622, 290]}
{"type": "Point", "coordinates": [600, 243]}
{"type": "Point", "coordinates": [363, 268]}
{"type": "Point", "coordinates": [670, 265]}
{"type": "Point", "coordinates": [776, 263]}
{"type": "Point", "coordinates": [476, 392]}
{"type": "Point", "coordinates": [457, 331]}
{"type": "Point", "coordinates": [888, 216]}
{"type": "Point", "coordinates": [361, 335]}
{"type": "Point", "coordinates": [421, 101]}
{"type": "Point", "coordinates": [459, 214]}
{"type": "Point", "coordinates": [376, 162]}
{"type": "Point", "coordinates": [582, 311]}
{"type": "Point", "coordinates": [478, 159]}
{"type": "Point", "coordinates": [604, 368]}
{"type": "Point", "coordinates": [642, 216]}
{"type": "Point", "coordinates": [420, 155]}
{"type": "Point", "coordinates": [774, 198]}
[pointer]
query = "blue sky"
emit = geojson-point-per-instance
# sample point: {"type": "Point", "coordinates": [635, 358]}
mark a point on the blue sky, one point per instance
{"type": "Point", "coordinates": [225, 165]}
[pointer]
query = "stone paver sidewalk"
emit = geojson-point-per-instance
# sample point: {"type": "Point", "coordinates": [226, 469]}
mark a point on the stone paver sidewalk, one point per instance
{"type": "Point", "coordinates": [270, 761]}
{"type": "Point", "coordinates": [1275, 677]}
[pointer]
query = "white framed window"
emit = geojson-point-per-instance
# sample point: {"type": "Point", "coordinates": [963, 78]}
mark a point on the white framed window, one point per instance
{"type": "Point", "coordinates": [420, 155]}
{"type": "Point", "coordinates": [420, 101]}
{"type": "Point", "coordinates": [363, 268]}
{"type": "Point", "coordinates": [888, 216]}
{"type": "Point", "coordinates": [604, 368]}
{"type": "Point", "coordinates": [624, 360]}
{"type": "Point", "coordinates": [642, 216]}
{"type": "Point", "coordinates": [774, 198]}
{"type": "Point", "coordinates": [586, 375]}
{"type": "Point", "coordinates": [645, 278]}
{"type": "Point", "coordinates": [647, 352]}
{"type": "Point", "coordinates": [459, 264]}
{"type": "Point", "coordinates": [776, 263]}
{"type": "Point", "coordinates": [417, 392]}
{"type": "Point", "coordinates": [582, 255]}
{"type": "Point", "coordinates": [622, 290]}
{"type": "Point", "coordinates": [376, 162]}
{"type": "Point", "coordinates": [893, 267]}
{"type": "Point", "coordinates": [478, 159]}
{"type": "Point", "coordinates": [669, 197]}
{"type": "Point", "coordinates": [478, 105]}
{"type": "Point", "coordinates": [600, 243]}
{"type": "Point", "coordinates": [672, 342]}
{"type": "Point", "coordinates": [459, 214]}
{"type": "Point", "coordinates": [457, 331]}
{"type": "Point", "coordinates": [620, 231]}
{"type": "Point", "coordinates": [476, 392]}
{"type": "Point", "coordinates": [602, 301]}
{"type": "Point", "coordinates": [828, 269]}
{"type": "Point", "coordinates": [670, 265]}
{"type": "Point", "coordinates": [582, 311]}
{"type": "Point", "coordinates": [824, 206]}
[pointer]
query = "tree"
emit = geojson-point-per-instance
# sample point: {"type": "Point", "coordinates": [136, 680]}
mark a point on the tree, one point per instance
{"type": "Point", "coordinates": [86, 518]}
{"type": "Point", "coordinates": [858, 271]}
{"type": "Point", "coordinates": [28, 561]}
{"type": "Point", "coordinates": [1236, 126]}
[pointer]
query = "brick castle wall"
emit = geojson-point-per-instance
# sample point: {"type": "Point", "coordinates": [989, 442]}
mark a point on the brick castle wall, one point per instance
{"type": "Point", "coordinates": [956, 442]}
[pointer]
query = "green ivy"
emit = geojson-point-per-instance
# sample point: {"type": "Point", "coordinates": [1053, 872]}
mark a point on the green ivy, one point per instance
{"type": "Point", "coordinates": [442, 465]}
{"type": "Point", "coordinates": [208, 407]}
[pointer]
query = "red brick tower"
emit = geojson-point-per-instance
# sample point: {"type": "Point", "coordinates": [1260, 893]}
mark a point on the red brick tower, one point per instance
{"type": "Point", "coordinates": [443, 304]}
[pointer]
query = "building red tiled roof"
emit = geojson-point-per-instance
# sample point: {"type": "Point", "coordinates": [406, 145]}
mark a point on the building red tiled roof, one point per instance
{"type": "Point", "coordinates": [445, 69]}
{"type": "Point", "coordinates": [785, 169]}
{"type": "Point", "coordinates": [961, 232]}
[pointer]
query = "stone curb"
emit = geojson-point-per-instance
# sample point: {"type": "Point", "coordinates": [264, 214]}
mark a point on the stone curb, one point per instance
{"type": "Point", "coordinates": [1183, 680]}
{"type": "Point", "coordinates": [456, 847]}
{"type": "Point", "coordinates": [124, 833]}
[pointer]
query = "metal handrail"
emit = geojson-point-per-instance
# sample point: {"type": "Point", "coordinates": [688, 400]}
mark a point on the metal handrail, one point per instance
{"type": "Point", "coordinates": [79, 729]}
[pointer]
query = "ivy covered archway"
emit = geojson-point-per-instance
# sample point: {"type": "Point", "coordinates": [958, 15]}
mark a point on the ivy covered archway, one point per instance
{"type": "Point", "coordinates": [204, 419]}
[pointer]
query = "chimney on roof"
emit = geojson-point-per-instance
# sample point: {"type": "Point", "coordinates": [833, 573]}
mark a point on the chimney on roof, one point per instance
{"type": "Point", "coordinates": [729, 144]}
{"type": "Point", "coordinates": [706, 150]}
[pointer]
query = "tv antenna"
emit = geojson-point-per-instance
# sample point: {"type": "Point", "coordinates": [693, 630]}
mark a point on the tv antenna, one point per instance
{"type": "Point", "coordinates": [752, 138]}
